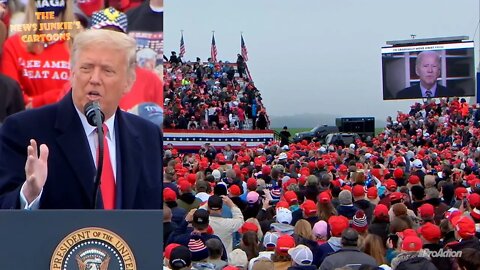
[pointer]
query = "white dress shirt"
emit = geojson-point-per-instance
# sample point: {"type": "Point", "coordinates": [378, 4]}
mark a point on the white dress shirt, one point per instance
{"type": "Point", "coordinates": [91, 134]}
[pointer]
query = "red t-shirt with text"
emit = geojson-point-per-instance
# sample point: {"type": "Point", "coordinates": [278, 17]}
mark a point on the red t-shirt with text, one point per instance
{"type": "Point", "coordinates": [41, 76]}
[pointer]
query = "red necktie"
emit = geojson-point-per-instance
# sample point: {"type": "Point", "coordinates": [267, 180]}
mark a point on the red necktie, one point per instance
{"type": "Point", "coordinates": [108, 181]}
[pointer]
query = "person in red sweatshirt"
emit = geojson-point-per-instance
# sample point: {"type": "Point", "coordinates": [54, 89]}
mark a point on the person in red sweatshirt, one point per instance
{"type": "Point", "coordinates": [40, 60]}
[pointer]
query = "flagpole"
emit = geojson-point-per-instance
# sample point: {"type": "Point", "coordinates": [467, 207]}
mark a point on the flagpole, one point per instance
{"type": "Point", "coordinates": [213, 49]}
{"type": "Point", "coordinates": [243, 52]}
{"type": "Point", "coordinates": [211, 53]}
{"type": "Point", "coordinates": [182, 45]}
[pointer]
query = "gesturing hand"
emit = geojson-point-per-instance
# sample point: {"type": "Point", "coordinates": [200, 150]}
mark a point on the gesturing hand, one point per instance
{"type": "Point", "coordinates": [189, 216]}
{"type": "Point", "coordinates": [266, 203]}
{"type": "Point", "coordinates": [227, 201]}
{"type": "Point", "coordinates": [36, 170]}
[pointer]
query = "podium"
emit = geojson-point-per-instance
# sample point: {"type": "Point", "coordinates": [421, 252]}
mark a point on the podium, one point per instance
{"type": "Point", "coordinates": [81, 239]}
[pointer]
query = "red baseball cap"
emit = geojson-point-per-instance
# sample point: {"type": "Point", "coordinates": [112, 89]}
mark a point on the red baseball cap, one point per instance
{"type": "Point", "coordinates": [290, 197]}
{"type": "Point", "coordinates": [343, 168]}
{"type": "Point", "coordinates": [248, 227]}
{"type": "Point", "coordinates": [398, 173]}
{"type": "Point", "coordinates": [291, 181]}
{"type": "Point", "coordinates": [266, 170]}
{"type": "Point", "coordinates": [475, 214]}
{"type": "Point", "coordinates": [474, 200]}
{"type": "Point", "coordinates": [302, 180]}
{"type": "Point", "coordinates": [372, 193]}
{"type": "Point", "coordinates": [470, 177]}
{"type": "Point", "coordinates": [221, 158]}
{"type": "Point", "coordinates": [430, 232]}
{"type": "Point", "coordinates": [358, 191]}
{"type": "Point", "coordinates": [464, 226]}
{"type": "Point", "coordinates": [461, 192]}
{"type": "Point", "coordinates": [304, 171]}
{"type": "Point", "coordinates": [324, 197]}
{"type": "Point", "coordinates": [168, 250]}
{"type": "Point", "coordinates": [407, 232]}
{"type": "Point", "coordinates": [414, 179]}
{"type": "Point", "coordinates": [90, 7]}
{"type": "Point", "coordinates": [336, 183]}
{"type": "Point", "coordinates": [395, 196]}
{"type": "Point", "coordinates": [338, 224]}
{"type": "Point", "coordinates": [284, 243]}
{"type": "Point", "coordinates": [203, 165]}
{"type": "Point", "coordinates": [380, 210]}
{"type": "Point", "coordinates": [321, 163]}
{"type": "Point", "coordinates": [309, 207]}
{"type": "Point", "coordinates": [377, 173]}
{"type": "Point", "coordinates": [390, 184]}
{"type": "Point", "coordinates": [451, 214]}
{"type": "Point", "coordinates": [184, 186]}
{"type": "Point", "coordinates": [426, 211]}
{"type": "Point", "coordinates": [192, 178]}
{"type": "Point", "coordinates": [282, 204]}
{"type": "Point", "coordinates": [311, 165]}
{"type": "Point", "coordinates": [412, 243]}
{"type": "Point", "coordinates": [235, 190]}
{"type": "Point", "coordinates": [169, 195]}
{"type": "Point", "coordinates": [251, 182]}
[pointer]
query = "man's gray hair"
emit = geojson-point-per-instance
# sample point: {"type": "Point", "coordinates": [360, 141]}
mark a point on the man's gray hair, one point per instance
{"type": "Point", "coordinates": [425, 53]}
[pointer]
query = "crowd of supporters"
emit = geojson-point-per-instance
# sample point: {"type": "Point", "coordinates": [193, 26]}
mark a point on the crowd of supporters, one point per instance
{"type": "Point", "coordinates": [407, 199]}
{"type": "Point", "coordinates": [207, 95]}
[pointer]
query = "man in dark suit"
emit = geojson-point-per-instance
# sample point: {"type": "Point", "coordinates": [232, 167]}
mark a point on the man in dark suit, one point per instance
{"type": "Point", "coordinates": [60, 173]}
{"type": "Point", "coordinates": [427, 67]}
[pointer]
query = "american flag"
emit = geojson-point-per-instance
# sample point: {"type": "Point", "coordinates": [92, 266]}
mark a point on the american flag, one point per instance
{"type": "Point", "coordinates": [213, 50]}
{"type": "Point", "coordinates": [182, 47]}
{"type": "Point", "coordinates": [244, 49]}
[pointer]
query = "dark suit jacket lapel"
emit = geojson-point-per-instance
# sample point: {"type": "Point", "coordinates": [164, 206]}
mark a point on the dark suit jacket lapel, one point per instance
{"type": "Point", "coordinates": [129, 160]}
{"type": "Point", "coordinates": [74, 144]}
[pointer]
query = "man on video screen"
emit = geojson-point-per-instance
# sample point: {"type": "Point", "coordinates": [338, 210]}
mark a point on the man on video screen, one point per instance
{"type": "Point", "coordinates": [427, 68]}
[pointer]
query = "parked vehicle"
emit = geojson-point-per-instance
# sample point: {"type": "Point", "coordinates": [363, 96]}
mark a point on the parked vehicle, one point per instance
{"type": "Point", "coordinates": [317, 134]}
{"type": "Point", "coordinates": [342, 139]}
{"type": "Point", "coordinates": [363, 126]}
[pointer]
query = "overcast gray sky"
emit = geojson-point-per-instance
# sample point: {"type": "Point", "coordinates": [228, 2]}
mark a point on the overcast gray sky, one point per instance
{"type": "Point", "coordinates": [315, 56]}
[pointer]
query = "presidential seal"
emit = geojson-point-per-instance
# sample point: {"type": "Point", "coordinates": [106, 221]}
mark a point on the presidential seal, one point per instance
{"type": "Point", "coordinates": [92, 249]}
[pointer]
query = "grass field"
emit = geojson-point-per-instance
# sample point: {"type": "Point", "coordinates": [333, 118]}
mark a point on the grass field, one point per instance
{"type": "Point", "coordinates": [295, 130]}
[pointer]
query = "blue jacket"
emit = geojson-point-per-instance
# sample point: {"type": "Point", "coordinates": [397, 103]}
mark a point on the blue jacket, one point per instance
{"type": "Point", "coordinates": [183, 233]}
{"type": "Point", "coordinates": [347, 211]}
{"type": "Point", "coordinates": [331, 246]}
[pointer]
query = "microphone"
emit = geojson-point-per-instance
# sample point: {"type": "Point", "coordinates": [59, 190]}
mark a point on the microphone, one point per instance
{"type": "Point", "coordinates": [95, 117]}
{"type": "Point", "coordinates": [92, 112]}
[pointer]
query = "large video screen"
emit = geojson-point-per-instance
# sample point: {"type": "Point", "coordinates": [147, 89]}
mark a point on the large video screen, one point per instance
{"type": "Point", "coordinates": [429, 70]}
